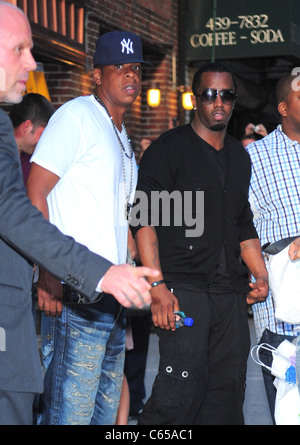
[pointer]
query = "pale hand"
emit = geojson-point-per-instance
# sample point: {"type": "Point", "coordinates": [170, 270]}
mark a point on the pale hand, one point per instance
{"type": "Point", "coordinates": [128, 284]}
{"type": "Point", "coordinates": [294, 249]}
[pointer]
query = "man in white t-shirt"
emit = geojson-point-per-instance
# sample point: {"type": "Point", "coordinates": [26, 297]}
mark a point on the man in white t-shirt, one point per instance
{"type": "Point", "coordinates": [83, 179]}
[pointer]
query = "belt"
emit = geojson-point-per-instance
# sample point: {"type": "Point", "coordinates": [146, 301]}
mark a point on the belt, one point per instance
{"type": "Point", "coordinates": [72, 296]}
{"type": "Point", "coordinates": [278, 246]}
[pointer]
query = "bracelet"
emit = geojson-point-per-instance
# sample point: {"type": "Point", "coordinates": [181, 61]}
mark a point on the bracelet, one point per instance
{"type": "Point", "coordinates": [156, 283]}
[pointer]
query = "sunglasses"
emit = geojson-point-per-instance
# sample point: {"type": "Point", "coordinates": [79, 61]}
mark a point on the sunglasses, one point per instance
{"type": "Point", "coordinates": [209, 96]}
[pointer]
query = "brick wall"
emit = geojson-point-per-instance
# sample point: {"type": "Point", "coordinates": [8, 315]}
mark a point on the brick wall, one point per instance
{"type": "Point", "coordinates": [156, 22]}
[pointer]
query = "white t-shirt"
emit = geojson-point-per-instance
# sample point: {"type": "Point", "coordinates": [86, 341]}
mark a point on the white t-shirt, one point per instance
{"type": "Point", "coordinates": [88, 203]}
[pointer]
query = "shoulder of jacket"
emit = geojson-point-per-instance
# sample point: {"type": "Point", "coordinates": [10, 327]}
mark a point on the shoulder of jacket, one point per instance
{"type": "Point", "coordinates": [4, 117]}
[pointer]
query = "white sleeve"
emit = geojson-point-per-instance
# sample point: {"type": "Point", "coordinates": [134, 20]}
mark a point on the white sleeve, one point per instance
{"type": "Point", "coordinates": [60, 143]}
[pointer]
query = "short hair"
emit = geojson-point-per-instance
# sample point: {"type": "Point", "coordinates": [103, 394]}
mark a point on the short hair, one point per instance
{"type": "Point", "coordinates": [214, 67]}
{"type": "Point", "coordinates": [284, 86]}
{"type": "Point", "coordinates": [34, 107]}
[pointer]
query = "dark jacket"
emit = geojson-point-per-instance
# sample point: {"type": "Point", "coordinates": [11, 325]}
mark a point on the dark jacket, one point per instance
{"type": "Point", "coordinates": [180, 160]}
{"type": "Point", "coordinates": [24, 235]}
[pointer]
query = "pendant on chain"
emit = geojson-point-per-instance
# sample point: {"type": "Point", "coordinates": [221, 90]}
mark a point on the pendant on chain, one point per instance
{"type": "Point", "coordinates": [128, 207]}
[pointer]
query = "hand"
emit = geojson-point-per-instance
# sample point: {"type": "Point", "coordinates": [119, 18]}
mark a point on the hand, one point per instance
{"type": "Point", "coordinates": [163, 305]}
{"type": "Point", "coordinates": [259, 292]}
{"type": "Point", "coordinates": [50, 294]}
{"type": "Point", "coordinates": [128, 284]}
{"type": "Point", "coordinates": [258, 129]}
{"type": "Point", "coordinates": [294, 249]}
{"type": "Point", "coordinates": [249, 129]}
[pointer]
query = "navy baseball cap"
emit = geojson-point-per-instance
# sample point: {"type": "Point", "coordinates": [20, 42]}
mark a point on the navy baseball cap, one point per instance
{"type": "Point", "coordinates": [118, 47]}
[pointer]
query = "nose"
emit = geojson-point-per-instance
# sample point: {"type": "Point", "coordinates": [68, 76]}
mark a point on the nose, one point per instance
{"type": "Point", "coordinates": [130, 71]}
{"type": "Point", "coordinates": [218, 101]}
{"type": "Point", "coordinates": [30, 63]}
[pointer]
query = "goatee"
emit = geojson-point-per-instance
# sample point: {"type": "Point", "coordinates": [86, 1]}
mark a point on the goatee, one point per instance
{"type": "Point", "coordinates": [218, 127]}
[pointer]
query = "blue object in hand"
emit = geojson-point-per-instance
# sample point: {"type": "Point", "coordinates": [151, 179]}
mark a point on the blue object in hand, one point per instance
{"type": "Point", "coordinates": [182, 320]}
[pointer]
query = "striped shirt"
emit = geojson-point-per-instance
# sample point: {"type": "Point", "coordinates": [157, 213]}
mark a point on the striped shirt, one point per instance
{"type": "Point", "coordinates": [274, 195]}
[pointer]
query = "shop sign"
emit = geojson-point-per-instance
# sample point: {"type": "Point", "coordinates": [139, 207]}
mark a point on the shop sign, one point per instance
{"type": "Point", "coordinates": [228, 29]}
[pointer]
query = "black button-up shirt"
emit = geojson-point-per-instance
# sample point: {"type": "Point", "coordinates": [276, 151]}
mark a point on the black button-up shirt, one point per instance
{"type": "Point", "coordinates": [181, 161]}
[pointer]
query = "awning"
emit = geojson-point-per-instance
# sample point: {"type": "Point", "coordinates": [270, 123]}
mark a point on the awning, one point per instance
{"type": "Point", "coordinates": [37, 83]}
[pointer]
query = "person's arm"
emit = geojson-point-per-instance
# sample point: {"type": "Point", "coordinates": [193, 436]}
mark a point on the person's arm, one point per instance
{"type": "Point", "coordinates": [164, 303]}
{"type": "Point", "coordinates": [40, 183]}
{"type": "Point", "coordinates": [132, 247]}
{"type": "Point", "coordinates": [126, 283]}
{"type": "Point", "coordinates": [49, 290]}
{"type": "Point", "coordinates": [252, 256]}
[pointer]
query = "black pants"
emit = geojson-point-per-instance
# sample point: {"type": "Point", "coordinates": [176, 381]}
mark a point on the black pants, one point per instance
{"type": "Point", "coordinates": [135, 361]}
{"type": "Point", "coordinates": [202, 369]}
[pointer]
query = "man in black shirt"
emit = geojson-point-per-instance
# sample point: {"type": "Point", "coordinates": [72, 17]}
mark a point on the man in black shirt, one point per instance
{"type": "Point", "coordinates": [204, 273]}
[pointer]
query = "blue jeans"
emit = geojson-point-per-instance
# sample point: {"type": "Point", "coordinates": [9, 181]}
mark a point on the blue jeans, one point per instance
{"type": "Point", "coordinates": [83, 354]}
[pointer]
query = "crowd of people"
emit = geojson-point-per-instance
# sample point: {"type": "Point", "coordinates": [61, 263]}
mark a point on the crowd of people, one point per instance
{"type": "Point", "coordinates": [77, 223]}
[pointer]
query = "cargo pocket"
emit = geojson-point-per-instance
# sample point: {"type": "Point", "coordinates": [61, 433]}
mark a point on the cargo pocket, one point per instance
{"type": "Point", "coordinates": [174, 387]}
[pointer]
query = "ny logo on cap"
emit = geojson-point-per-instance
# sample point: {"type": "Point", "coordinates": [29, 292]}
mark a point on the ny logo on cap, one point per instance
{"type": "Point", "coordinates": [127, 45]}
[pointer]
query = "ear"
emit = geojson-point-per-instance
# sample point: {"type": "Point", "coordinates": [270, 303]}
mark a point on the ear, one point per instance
{"type": "Point", "coordinates": [282, 108]}
{"type": "Point", "coordinates": [194, 102]}
{"type": "Point", "coordinates": [27, 126]}
{"type": "Point", "coordinates": [97, 76]}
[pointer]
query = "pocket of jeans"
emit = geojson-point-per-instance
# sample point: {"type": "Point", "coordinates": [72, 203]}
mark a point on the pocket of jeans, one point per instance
{"type": "Point", "coordinates": [47, 346]}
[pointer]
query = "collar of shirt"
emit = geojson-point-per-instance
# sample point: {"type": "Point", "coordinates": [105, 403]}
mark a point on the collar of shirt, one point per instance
{"type": "Point", "coordinates": [287, 141]}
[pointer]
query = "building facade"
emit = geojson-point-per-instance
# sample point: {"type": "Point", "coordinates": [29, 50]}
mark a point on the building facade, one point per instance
{"type": "Point", "coordinates": [65, 34]}
{"type": "Point", "coordinates": [257, 41]}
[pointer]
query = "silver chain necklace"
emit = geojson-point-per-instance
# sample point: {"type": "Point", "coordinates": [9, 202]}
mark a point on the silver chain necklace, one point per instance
{"type": "Point", "coordinates": [123, 152]}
